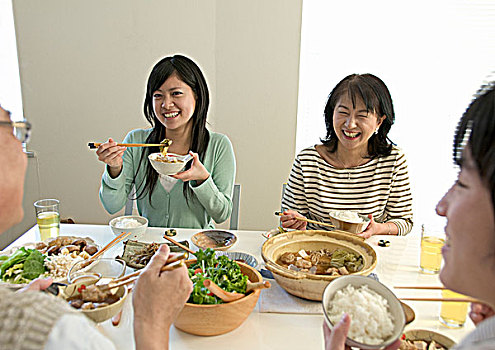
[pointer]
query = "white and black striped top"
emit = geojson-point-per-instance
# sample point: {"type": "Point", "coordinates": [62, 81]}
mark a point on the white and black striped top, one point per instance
{"type": "Point", "coordinates": [380, 187]}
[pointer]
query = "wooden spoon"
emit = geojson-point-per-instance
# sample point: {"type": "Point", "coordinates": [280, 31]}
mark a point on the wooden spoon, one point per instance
{"type": "Point", "coordinates": [219, 292]}
{"type": "Point", "coordinates": [257, 285]}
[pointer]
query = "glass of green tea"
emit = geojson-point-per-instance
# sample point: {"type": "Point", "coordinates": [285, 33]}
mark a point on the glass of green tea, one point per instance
{"type": "Point", "coordinates": [432, 241]}
{"type": "Point", "coordinates": [47, 217]}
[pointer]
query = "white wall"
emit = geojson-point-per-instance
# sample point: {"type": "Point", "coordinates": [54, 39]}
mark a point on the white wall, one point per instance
{"type": "Point", "coordinates": [84, 67]}
{"type": "Point", "coordinates": [433, 56]}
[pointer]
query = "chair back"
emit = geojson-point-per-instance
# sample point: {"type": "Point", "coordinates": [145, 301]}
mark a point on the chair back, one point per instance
{"type": "Point", "coordinates": [236, 202]}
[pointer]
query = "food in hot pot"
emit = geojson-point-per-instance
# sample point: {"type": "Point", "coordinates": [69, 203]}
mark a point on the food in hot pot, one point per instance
{"type": "Point", "coordinates": [336, 262]}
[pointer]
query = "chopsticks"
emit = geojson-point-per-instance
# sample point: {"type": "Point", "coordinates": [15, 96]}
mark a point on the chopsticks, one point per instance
{"type": "Point", "coordinates": [171, 264]}
{"type": "Point", "coordinates": [421, 287]}
{"type": "Point", "coordinates": [467, 299]}
{"type": "Point", "coordinates": [93, 145]}
{"type": "Point", "coordinates": [179, 244]}
{"type": "Point", "coordinates": [116, 240]}
{"type": "Point", "coordinates": [278, 213]}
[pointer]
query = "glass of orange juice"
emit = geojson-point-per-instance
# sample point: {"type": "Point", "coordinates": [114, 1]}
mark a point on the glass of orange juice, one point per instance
{"type": "Point", "coordinates": [47, 217]}
{"type": "Point", "coordinates": [432, 241]}
{"type": "Point", "coordinates": [453, 313]}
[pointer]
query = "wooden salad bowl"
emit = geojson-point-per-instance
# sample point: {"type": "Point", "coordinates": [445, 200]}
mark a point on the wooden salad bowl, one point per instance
{"type": "Point", "coordinates": [208, 320]}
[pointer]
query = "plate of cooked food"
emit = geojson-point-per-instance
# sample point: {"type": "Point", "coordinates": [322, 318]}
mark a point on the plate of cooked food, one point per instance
{"type": "Point", "coordinates": [49, 258]}
{"type": "Point", "coordinates": [214, 239]}
{"type": "Point", "coordinates": [137, 254]}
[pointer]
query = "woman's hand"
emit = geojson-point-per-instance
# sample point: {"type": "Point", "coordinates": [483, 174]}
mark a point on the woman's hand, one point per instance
{"type": "Point", "coordinates": [111, 154]}
{"type": "Point", "coordinates": [197, 171]}
{"type": "Point", "coordinates": [158, 298]}
{"type": "Point", "coordinates": [37, 285]}
{"type": "Point", "coordinates": [288, 221]}
{"type": "Point", "coordinates": [480, 312]}
{"type": "Point", "coordinates": [375, 228]}
{"type": "Point", "coordinates": [335, 340]}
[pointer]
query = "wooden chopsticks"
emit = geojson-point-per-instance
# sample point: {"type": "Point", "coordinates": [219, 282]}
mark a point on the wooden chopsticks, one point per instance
{"type": "Point", "coordinates": [93, 145]}
{"type": "Point", "coordinates": [116, 240]}
{"type": "Point", "coordinates": [466, 299]}
{"type": "Point", "coordinates": [421, 287]}
{"type": "Point", "coordinates": [278, 213]}
{"type": "Point", "coordinates": [178, 244]}
{"type": "Point", "coordinates": [171, 264]}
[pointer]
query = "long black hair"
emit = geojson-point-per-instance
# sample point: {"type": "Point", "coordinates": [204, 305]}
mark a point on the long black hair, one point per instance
{"type": "Point", "coordinates": [376, 97]}
{"type": "Point", "coordinates": [477, 129]}
{"type": "Point", "coordinates": [189, 73]}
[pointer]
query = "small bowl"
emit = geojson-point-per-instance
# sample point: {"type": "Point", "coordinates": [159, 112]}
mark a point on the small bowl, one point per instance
{"type": "Point", "coordinates": [105, 268]}
{"type": "Point", "coordinates": [100, 314]}
{"type": "Point", "coordinates": [245, 258]}
{"type": "Point", "coordinates": [428, 336]}
{"type": "Point", "coordinates": [394, 304]}
{"type": "Point", "coordinates": [348, 226]}
{"type": "Point", "coordinates": [117, 224]}
{"type": "Point", "coordinates": [214, 239]}
{"type": "Point", "coordinates": [168, 168]}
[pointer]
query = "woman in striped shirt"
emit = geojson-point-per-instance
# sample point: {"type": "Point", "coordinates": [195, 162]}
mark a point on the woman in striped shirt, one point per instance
{"type": "Point", "coordinates": [356, 168]}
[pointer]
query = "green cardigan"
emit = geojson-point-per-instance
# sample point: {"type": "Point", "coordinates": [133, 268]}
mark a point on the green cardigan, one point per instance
{"type": "Point", "coordinates": [212, 200]}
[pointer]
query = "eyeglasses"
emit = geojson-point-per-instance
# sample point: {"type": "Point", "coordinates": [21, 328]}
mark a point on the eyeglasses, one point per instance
{"type": "Point", "coordinates": [22, 129]}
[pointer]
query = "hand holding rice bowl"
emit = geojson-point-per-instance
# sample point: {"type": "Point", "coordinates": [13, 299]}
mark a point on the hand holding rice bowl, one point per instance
{"type": "Point", "coordinates": [347, 220]}
{"type": "Point", "coordinates": [377, 317]}
{"type": "Point", "coordinates": [170, 164]}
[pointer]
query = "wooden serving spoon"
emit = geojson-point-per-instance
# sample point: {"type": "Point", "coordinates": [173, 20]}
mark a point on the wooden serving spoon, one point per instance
{"type": "Point", "coordinates": [228, 297]}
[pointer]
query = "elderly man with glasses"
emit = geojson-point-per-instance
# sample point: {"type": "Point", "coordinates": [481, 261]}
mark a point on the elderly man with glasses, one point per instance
{"type": "Point", "coordinates": [31, 319]}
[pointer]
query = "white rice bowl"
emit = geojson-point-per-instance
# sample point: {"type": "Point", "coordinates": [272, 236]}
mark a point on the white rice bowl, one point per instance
{"type": "Point", "coordinates": [377, 317]}
{"type": "Point", "coordinates": [371, 323]}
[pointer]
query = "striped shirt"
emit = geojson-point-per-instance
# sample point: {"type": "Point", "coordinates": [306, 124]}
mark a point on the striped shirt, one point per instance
{"type": "Point", "coordinates": [380, 187]}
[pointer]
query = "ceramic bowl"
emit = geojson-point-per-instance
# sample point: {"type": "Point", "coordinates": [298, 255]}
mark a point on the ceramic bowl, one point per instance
{"type": "Point", "coordinates": [100, 314]}
{"type": "Point", "coordinates": [208, 320]}
{"type": "Point", "coordinates": [427, 336]}
{"type": "Point", "coordinates": [105, 268]}
{"type": "Point", "coordinates": [347, 225]}
{"type": "Point", "coordinates": [214, 239]}
{"type": "Point", "coordinates": [172, 166]}
{"type": "Point", "coordinates": [118, 226]}
{"type": "Point", "coordinates": [240, 257]}
{"type": "Point", "coordinates": [306, 285]}
{"type": "Point", "coordinates": [394, 305]}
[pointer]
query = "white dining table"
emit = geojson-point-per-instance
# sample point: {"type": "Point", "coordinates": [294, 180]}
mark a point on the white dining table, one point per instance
{"type": "Point", "coordinates": [397, 265]}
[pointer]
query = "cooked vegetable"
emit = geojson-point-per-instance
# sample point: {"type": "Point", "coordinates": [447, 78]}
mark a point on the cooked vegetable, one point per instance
{"type": "Point", "coordinates": [224, 272]}
{"type": "Point", "coordinates": [22, 266]}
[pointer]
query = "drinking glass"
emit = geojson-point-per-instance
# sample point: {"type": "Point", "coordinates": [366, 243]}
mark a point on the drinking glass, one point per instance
{"type": "Point", "coordinates": [453, 313]}
{"type": "Point", "coordinates": [48, 217]}
{"type": "Point", "coordinates": [432, 241]}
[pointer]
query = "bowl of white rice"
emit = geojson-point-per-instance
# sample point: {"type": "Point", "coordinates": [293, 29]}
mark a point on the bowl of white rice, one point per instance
{"type": "Point", "coordinates": [348, 220]}
{"type": "Point", "coordinates": [134, 224]}
{"type": "Point", "coordinates": [377, 317]}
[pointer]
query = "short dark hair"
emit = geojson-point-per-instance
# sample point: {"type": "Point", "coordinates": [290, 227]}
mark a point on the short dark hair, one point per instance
{"type": "Point", "coordinates": [191, 74]}
{"type": "Point", "coordinates": [477, 130]}
{"type": "Point", "coordinates": [376, 97]}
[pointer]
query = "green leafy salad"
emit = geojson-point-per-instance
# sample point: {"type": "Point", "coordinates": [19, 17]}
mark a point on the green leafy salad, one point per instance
{"type": "Point", "coordinates": [224, 272]}
{"type": "Point", "coordinates": [22, 266]}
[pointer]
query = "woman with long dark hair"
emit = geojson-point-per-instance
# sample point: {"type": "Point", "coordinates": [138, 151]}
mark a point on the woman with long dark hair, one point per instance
{"type": "Point", "coordinates": [176, 106]}
{"type": "Point", "coordinates": [356, 167]}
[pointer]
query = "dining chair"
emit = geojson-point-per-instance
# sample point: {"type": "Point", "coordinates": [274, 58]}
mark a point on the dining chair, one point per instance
{"type": "Point", "coordinates": [129, 205]}
{"type": "Point", "coordinates": [236, 202]}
